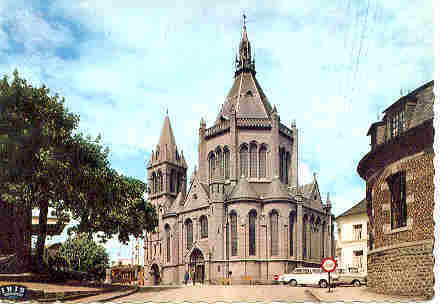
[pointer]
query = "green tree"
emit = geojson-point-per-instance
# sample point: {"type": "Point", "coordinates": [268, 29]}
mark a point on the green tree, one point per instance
{"type": "Point", "coordinates": [82, 253]}
{"type": "Point", "coordinates": [37, 126]}
{"type": "Point", "coordinates": [46, 165]}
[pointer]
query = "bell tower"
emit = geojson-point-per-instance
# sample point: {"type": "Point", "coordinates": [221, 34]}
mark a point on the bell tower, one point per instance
{"type": "Point", "coordinates": [166, 170]}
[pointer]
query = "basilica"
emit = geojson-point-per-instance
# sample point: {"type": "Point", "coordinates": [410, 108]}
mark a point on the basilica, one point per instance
{"type": "Point", "coordinates": [242, 216]}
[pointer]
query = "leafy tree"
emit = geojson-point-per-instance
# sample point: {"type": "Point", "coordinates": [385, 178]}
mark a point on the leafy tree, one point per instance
{"type": "Point", "coordinates": [37, 125]}
{"type": "Point", "coordinates": [82, 253]}
{"type": "Point", "coordinates": [45, 165]}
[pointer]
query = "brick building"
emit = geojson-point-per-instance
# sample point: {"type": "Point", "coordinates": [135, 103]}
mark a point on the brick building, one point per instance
{"type": "Point", "coordinates": [399, 175]}
{"type": "Point", "coordinates": [244, 214]}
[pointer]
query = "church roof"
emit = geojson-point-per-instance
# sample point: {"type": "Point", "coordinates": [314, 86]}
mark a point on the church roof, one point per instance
{"type": "Point", "coordinates": [166, 136]}
{"type": "Point", "coordinates": [245, 98]}
{"type": "Point", "coordinates": [307, 189]}
{"type": "Point", "coordinates": [277, 190]}
{"type": "Point", "coordinates": [243, 190]}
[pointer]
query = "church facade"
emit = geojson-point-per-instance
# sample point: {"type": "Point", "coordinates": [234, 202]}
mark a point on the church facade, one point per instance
{"type": "Point", "coordinates": [244, 216]}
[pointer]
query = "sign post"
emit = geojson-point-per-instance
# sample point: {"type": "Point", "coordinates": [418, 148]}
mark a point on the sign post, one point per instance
{"type": "Point", "coordinates": [328, 265]}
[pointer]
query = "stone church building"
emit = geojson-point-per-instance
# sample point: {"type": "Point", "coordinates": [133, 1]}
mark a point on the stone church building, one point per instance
{"type": "Point", "coordinates": [244, 216]}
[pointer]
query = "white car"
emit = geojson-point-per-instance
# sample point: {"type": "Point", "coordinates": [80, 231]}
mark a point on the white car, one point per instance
{"type": "Point", "coordinates": [306, 276]}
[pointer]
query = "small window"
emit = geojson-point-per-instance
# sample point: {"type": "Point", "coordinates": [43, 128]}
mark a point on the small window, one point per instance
{"type": "Point", "coordinates": [249, 93]}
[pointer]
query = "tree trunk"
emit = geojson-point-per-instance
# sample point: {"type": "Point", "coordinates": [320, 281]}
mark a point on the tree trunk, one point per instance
{"type": "Point", "coordinates": [19, 227]}
{"type": "Point", "coordinates": [44, 208]}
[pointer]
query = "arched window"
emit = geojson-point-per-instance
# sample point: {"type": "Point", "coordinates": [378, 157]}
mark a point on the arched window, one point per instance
{"type": "Point", "coordinates": [318, 236]}
{"type": "Point", "coordinates": [218, 165]}
{"type": "Point", "coordinates": [253, 159]}
{"type": "Point", "coordinates": [168, 242]}
{"type": "Point", "coordinates": [243, 161]}
{"type": "Point", "coordinates": [252, 220]}
{"type": "Point", "coordinates": [203, 227]}
{"type": "Point", "coordinates": [226, 160]}
{"type": "Point", "coordinates": [160, 181]}
{"type": "Point", "coordinates": [189, 233]}
{"type": "Point", "coordinates": [221, 164]}
{"type": "Point", "coordinates": [274, 233]}
{"type": "Point", "coordinates": [172, 180]}
{"type": "Point", "coordinates": [211, 165]}
{"type": "Point", "coordinates": [311, 226]}
{"type": "Point", "coordinates": [157, 153]}
{"type": "Point", "coordinates": [282, 165]}
{"type": "Point", "coordinates": [305, 234]}
{"type": "Point", "coordinates": [262, 158]}
{"type": "Point", "coordinates": [234, 240]}
{"type": "Point", "coordinates": [153, 183]}
{"type": "Point", "coordinates": [287, 166]}
{"type": "Point", "coordinates": [179, 181]}
{"type": "Point", "coordinates": [292, 216]}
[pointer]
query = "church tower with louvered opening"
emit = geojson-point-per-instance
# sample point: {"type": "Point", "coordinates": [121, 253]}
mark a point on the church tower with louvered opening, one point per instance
{"type": "Point", "coordinates": [245, 216]}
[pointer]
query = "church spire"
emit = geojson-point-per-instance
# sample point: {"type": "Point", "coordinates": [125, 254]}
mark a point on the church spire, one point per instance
{"type": "Point", "coordinates": [244, 62]}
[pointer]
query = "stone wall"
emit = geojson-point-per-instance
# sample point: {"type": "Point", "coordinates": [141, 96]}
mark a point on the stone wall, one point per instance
{"type": "Point", "coordinates": [406, 269]}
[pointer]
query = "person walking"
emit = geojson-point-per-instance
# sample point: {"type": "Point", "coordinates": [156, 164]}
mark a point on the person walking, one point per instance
{"type": "Point", "coordinates": [186, 277]}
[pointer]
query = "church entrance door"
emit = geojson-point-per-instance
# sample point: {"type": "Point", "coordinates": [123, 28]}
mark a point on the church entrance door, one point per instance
{"type": "Point", "coordinates": [197, 265]}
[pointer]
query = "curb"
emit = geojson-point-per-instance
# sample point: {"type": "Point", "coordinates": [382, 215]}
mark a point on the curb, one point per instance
{"type": "Point", "coordinates": [65, 296]}
{"type": "Point", "coordinates": [120, 296]}
{"type": "Point", "coordinates": [313, 295]}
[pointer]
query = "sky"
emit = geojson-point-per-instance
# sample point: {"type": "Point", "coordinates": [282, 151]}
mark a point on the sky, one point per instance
{"type": "Point", "coordinates": [332, 66]}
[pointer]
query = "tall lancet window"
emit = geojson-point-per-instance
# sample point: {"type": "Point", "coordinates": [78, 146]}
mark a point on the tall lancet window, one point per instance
{"type": "Point", "coordinates": [218, 163]}
{"type": "Point", "coordinates": [221, 163]}
{"type": "Point", "coordinates": [189, 233]}
{"type": "Point", "coordinates": [226, 161]}
{"type": "Point", "coordinates": [211, 165]}
{"type": "Point", "coordinates": [252, 221]}
{"type": "Point", "coordinates": [243, 161]}
{"type": "Point", "coordinates": [234, 240]}
{"type": "Point", "coordinates": [292, 216]}
{"type": "Point", "coordinates": [203, 227]}
{"type": "Point", "coordinates": [172, 180]}
{"type": "Point", "coordinates": [253, 159]}
{"type": "Point", "coordinates": [153, 183]}
{"type": "Point", "coordinates": [287, 166]}
{"type": "Point", "coordinates": [159, 188]}
{"type": "Point", "coordinates": [168, 242]}
{"type": "Point", "coordinates": [282, 160]}
{"type": "Point", "coordinates": [262, 157]}
{"type": "Point", "coordinates": [274, 233]}
{"type": "Point", "coordinates": [305, 234]}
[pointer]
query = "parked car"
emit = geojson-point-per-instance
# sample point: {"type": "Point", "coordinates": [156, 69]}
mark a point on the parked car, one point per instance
{"type": "Point", "coordinates": [350, 276]}
{"type": "Point", "coordinates": [305, 276]}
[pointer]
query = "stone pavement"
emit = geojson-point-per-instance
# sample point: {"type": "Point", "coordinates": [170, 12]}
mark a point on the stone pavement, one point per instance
{"type": "Point", "coordinates": [358, 294]}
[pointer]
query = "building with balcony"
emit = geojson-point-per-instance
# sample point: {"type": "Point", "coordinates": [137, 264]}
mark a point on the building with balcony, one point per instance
{"type": "Point", "coordinates": [399, 175]}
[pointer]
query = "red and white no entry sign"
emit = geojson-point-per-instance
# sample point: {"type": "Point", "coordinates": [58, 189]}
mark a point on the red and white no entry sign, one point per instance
{"type": "Point", "coordinates": [328, 265]}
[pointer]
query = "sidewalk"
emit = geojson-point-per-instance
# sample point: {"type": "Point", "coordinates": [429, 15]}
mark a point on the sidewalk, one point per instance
{"type": "Point", "coordinates": [68, 290]}
{"type": "Point", "coordinates": [358, 294]}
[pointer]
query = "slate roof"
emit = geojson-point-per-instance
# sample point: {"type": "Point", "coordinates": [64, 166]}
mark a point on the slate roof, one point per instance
{"type": "Point", "coordinates": [307, 189]}
{"type": "Point", "coordinates": [359, 208]}
{"type": "Point", "coordinates": [245, 98]}
{"type": "Point", "coordinates": [243, 190]}
{"type": "Point", "coordinates": [277, 190]}
{"type": "Point", "coordinates": [167, 136]}
{"type": "Point", "coordinates": [424, 109]}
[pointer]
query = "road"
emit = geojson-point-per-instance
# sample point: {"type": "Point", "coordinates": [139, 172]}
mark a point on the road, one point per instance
{"type": "Point", "coordinates": [215, 293]}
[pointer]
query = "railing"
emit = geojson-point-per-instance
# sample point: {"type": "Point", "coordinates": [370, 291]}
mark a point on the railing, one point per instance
{"type": "Point", "coordinates": [125, 274]}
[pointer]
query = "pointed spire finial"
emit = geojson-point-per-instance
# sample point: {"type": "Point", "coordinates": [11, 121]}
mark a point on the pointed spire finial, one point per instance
{"type": "Point", "coordinates": [244, 21]}
{"type": "Point", "coordinates": [328, 197]}
{"type": "Point", "coordinates": [314, 176]}
{"type": "Point", "coordinates": [167, 111]}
